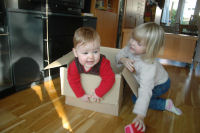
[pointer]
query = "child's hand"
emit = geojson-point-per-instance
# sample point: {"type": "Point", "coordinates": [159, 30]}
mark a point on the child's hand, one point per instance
{"type": "Point", "coordinates": [85, 98]}
{"type": "Point", "coordinates": [128, 63]}
{"type": "Point", "coordinates": [95, 98]}
{"type": "Point", "coordinates": [139, 123]}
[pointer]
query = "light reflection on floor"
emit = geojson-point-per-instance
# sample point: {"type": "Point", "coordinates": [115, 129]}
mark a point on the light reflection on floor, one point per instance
{"type": "Point", "coordinates": [197, 70]}
{"type": "Point", "coordinates": [54, 96]}
{"type": "Point", "coordinates": [173, 63]}
{"type": "Point", "coordinates": [57, 104]}
{"type": "Point", "coordinates": [181, 64]}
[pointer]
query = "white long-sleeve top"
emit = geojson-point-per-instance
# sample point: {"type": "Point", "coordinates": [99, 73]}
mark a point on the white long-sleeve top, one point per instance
{"type": "Point", "coordinates": [148, 75]}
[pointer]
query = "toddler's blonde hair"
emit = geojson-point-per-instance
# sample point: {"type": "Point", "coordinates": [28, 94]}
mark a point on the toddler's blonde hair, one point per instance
{"type": "Point", "coordinates": [153, 36]}
{"type": "Point", "coordinates": [84, 35]}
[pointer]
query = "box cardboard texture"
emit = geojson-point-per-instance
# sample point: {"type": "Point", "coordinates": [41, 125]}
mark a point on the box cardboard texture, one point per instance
{"type": "Point", "coordinates": [112, 100]}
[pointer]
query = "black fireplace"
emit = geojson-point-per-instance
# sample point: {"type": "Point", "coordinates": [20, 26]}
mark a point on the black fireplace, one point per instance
{"type": "Point", "coordinates": [61, 6]}
{"type": "Point", "coordinates": [23, 44]}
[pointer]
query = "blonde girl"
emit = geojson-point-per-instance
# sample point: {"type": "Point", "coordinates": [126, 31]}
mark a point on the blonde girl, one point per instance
{"type": "Point", "coordinates": [139, 57]}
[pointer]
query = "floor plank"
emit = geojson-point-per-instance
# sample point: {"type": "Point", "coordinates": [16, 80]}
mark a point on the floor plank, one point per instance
{"type": "Point", "coordinates": [41, 109]}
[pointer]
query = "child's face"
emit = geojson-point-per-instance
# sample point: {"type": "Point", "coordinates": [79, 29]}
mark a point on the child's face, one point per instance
{"type": "Point", "coordinates": [136, 47]}
{"type": "Point", "coordinates": [88, 54]}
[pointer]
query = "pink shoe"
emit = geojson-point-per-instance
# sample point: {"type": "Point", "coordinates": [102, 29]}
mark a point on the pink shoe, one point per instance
{"type": "Point", "coordinates": [131, 129]}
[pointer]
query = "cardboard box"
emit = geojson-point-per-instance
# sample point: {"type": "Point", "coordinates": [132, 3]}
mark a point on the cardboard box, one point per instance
{"type": "Point", "coordinates": [112, 100]}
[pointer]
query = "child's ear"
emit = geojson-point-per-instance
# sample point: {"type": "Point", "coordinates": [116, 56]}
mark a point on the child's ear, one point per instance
{"type": "Point", "coordinates": [74, 51]}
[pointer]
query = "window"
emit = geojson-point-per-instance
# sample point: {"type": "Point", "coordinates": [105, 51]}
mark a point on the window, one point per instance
{"type": "Point", "coordinates": [188, 11]}
{"type": "Point", "coordinates": [169, 12]}
{"type": "Point", "coordinates": [183, 8]}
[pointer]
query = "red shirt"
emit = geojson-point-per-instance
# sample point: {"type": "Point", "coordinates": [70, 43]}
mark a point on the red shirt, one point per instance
{"type": "Point", "coordinates": [105, 72]}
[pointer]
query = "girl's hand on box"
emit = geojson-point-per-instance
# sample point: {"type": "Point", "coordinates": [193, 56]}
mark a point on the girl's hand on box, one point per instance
{"type": "Point", "coordinates": [128, 63]}
{"type": "Point", "coordinates": [139, 123]}
{"type": "Point", "coordinates": [85, 98]}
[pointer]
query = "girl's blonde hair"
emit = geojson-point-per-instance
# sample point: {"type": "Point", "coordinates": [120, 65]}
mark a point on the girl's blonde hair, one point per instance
{"type": "Point", "coordinates": [153, 36]}
{"type": "Point", "coordinates": [84, 35]}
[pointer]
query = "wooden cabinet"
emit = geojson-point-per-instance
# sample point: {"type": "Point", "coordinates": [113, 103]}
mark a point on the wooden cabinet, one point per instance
{"type": "Point", "coordinates": [126, 33]}
{"type": "Point", "coordinates": [133, 16]}
{"type": "Point", "coordinates": [177, 47]}
{"type": "Point", "coordinates": [133, 13]}
{"type": "Point", "coordinates": [107, 21]}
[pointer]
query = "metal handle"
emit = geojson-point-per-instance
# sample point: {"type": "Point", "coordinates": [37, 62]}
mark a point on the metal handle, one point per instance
{"type": "Point", "coordinates": [2, 30]}
{"type": "Point", "coordinates": [40, 17]}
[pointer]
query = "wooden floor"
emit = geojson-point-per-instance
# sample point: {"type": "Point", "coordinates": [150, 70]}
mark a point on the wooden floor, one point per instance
{"type": "Point", "coordinates": [41, 109]}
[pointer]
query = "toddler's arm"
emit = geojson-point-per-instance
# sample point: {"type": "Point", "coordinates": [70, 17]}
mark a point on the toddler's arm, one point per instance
{"type": "Point", "coordinates": [107, 78]}
{"type": "Point", "coordinates": [73, 78]}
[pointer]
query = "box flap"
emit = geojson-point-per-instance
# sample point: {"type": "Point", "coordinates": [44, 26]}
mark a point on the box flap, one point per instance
{"type": "Point", "coordinates": [131, 81]}
{"type": "Point", "coordinates": [110, 54]}
{"type": "Point", "coordinates": [66, 59]}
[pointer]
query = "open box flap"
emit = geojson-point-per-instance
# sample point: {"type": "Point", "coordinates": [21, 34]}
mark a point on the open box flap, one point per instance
{"type": "Point", "coordinates": [66, 59]}
{"type": "Point", "coordinates": [131, 81]}
{"type": "Point", "coordinates": [110, 53]}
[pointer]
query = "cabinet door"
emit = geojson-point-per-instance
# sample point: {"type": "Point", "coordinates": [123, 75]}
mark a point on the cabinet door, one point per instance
{"type": "Point", "coordinates": [61, 32]}
{"type": "Point", "coordinates": [178, 48]}
{"type": "Point", "coordinates": [107, 24]}
{"type": "Point", "coordinates": [26, 40]}
{"type": "Point", "coordinates": [5, 71]}
{"type": "Point", "coordinates": [133, 13]}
